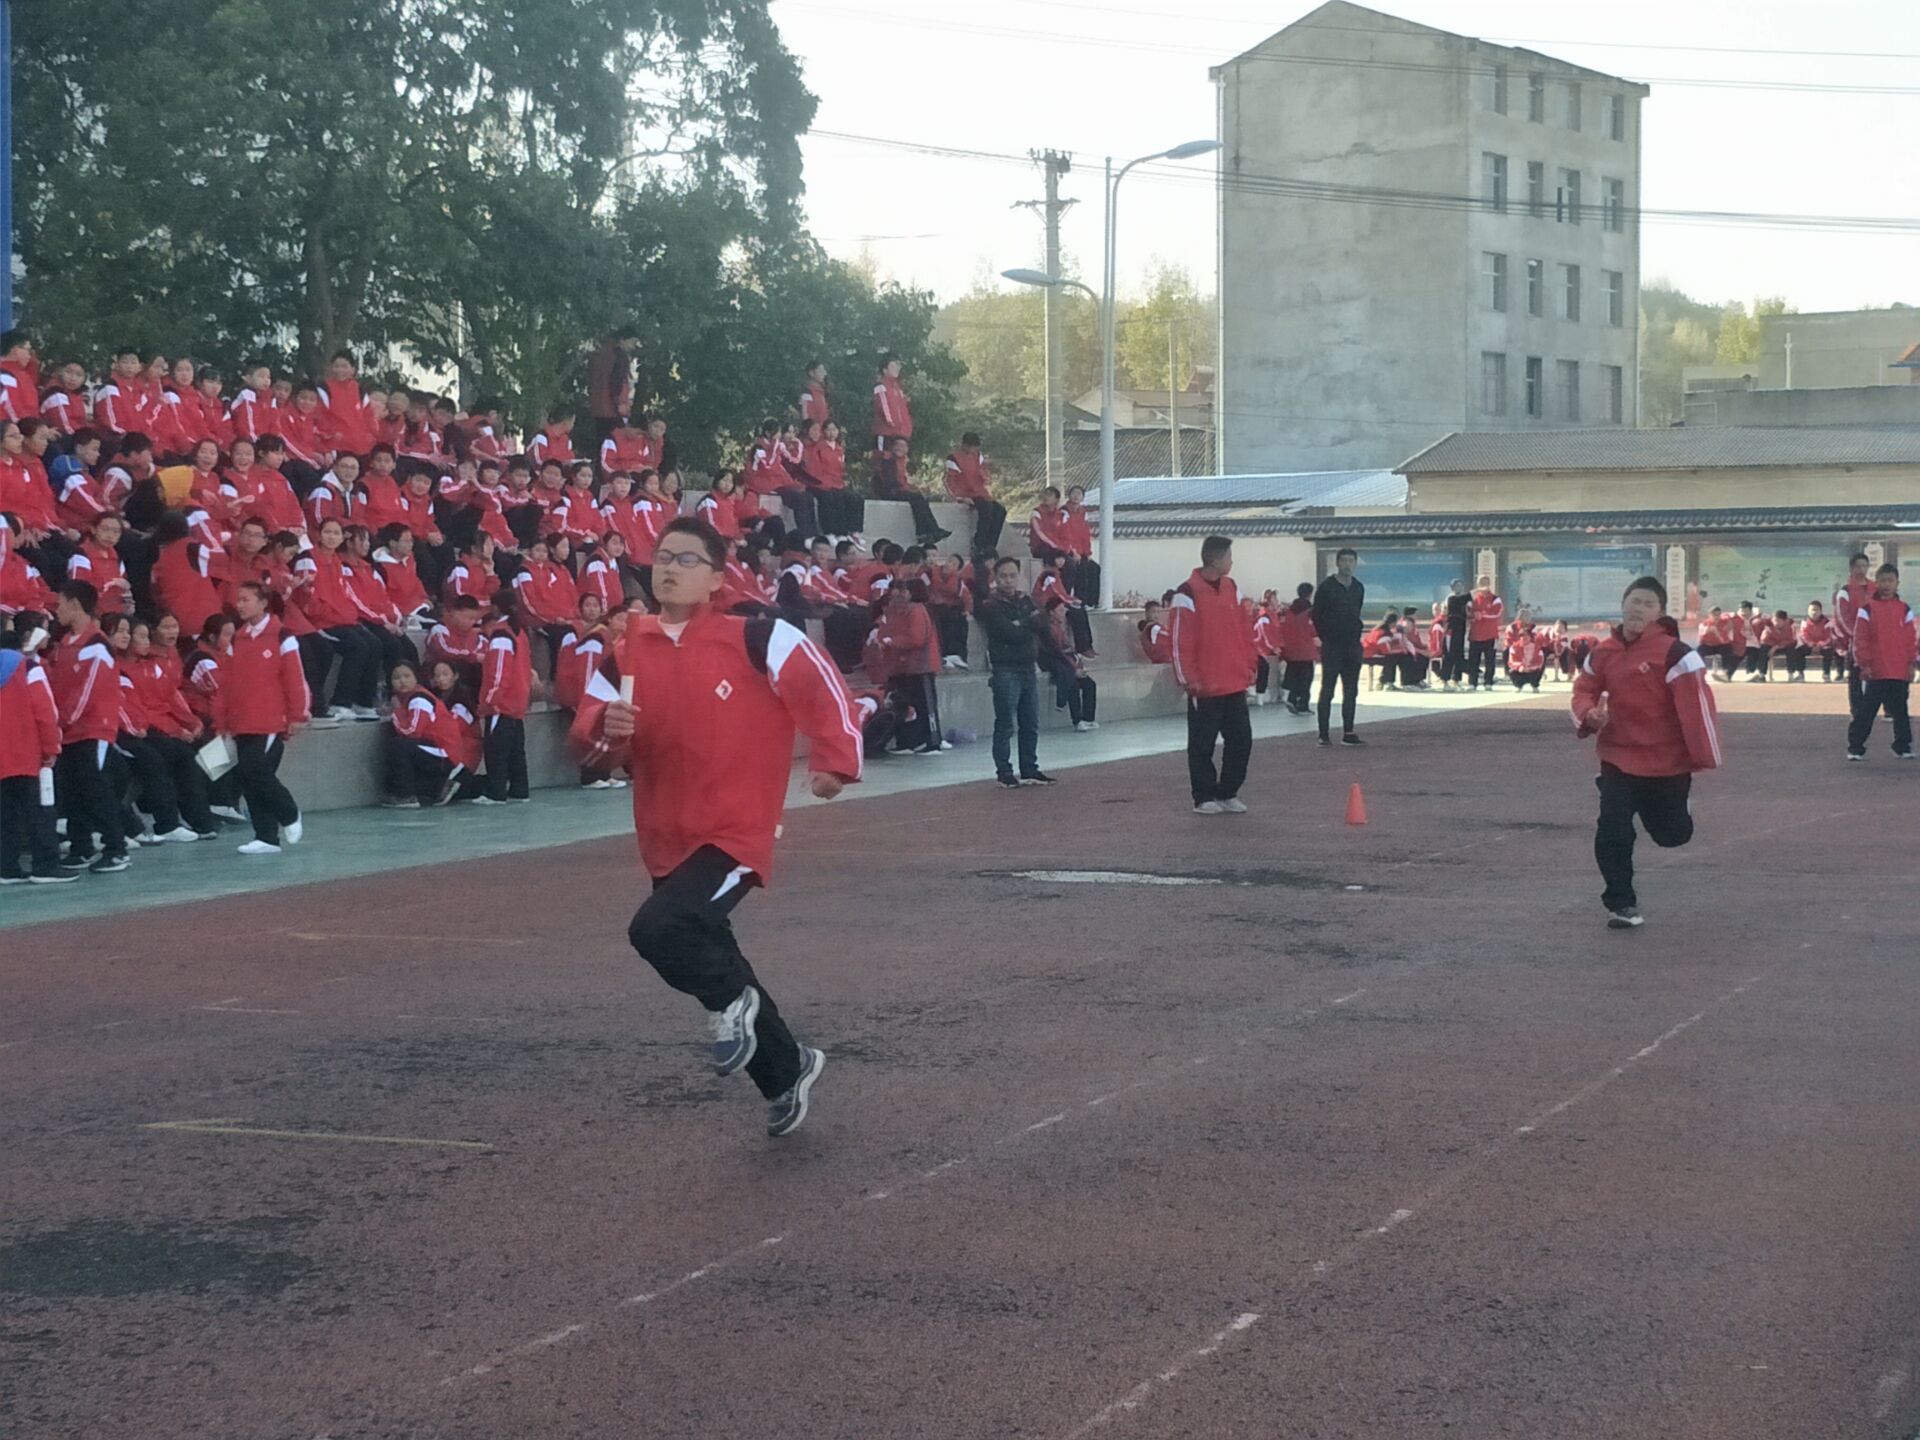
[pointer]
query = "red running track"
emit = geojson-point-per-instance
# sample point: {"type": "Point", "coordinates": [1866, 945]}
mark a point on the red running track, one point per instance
{"type": "Point", "coordinates": [1267, 1157]}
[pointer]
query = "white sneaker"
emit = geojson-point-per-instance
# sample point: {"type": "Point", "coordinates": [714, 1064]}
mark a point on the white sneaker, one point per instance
{"type": "Point", "coordinates": [959, 663]}
{"type": "Point", "coordinates": [616, 783]}
{"type": "Point", "coordinates": [400, 802]}
{"type": "Point", "coordinates": [324, 722]}
{"type": "Point", "coordinates": [365, 713]}
{"type": "Point", "coordinates": [1082, 726]}
{"type": "Point", "coordinates": [602, 784]}
{"type": "Point", "coordinates": [1210, 807]}
{"type": "Point", "coordinates": [1236, 806]}
{"type": "Point", "coordinates": [946, 662]}
{"type": "Point", "coordinates": [227, 812]}
{"type": "Point", "coordinates": [946, 744]}
{"type": "Point", "coordinates": [487, 800]}
{"type": "Point", "coordinates": [294, 833]}
{"type": "Point", "coordinates": [179, 835]}
{"type": "Point", "coordinates": [259, 847]}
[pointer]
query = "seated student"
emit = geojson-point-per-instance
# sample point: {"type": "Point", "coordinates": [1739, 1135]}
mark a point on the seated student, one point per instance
{"type": "Point", "coordinates": [524, 509]}
{"type": "Point", "coordinates": [97, 562]}
{"type": "Point", "coordinates": [506, 691]}
{"type": "Point", "coordinates": [544, 593]}
{"type": "Point", "coordinates": [1816, 633]}
{"type": "Point", "coordinates": [791, 601]}
{"type": "Point", "coordinates": [969, 482]}
{"type": "Point", "coordinates": [459, 641]}
{"type": "Point", "coordinates": [379, 616]}
{"type": "Point", "coordinates": [569, 679]}
{"type": "Point", "coordinates": [555, 442]}
{"type": "Point", "coordinates": [579, 516]}
{"type": "Point", "coordinates": [472, 577]}
{"type": "Point", "coordinates": [950, 603]}
{"type": "Point", "coordinates": [377, 503]}
{"type": "Point", "coordinates": [1754, 625]}
{"type": "Point", "coordinates": [420, 767]}
{"type": "Point", "coordinates": [1156, 640]}
{"type": "Point", "coordinates": [891, 481]}
{"type": "Point", "coordinates": [605, 575]}
{"type": "Point", "coordinates": [1715, 644]}
{"type": "Point", "coordinates": [157, 735]}
{"type": "Point", "coordinates": [824, 595]}
{"type": "Point", "coordinates": [843, 514]}
{"type": "Point", "coordinates": [1082, 570]}
{"type": "Point", "coordinates": [1377, 653]}
{"type": "Point", "coordinates": [1299, 649]}
{"type": "Point", "coordinates": [1073, 689]}
{"type": "Point", "coordinates": [265, 493]}
{"type": "Point", "coordinates": [719, 508]}
{"type": "Point", "coordinates": [1052, 586]}
{"type": "Point", "coordinates": [1415, 660]}
{"type": "Point", "coordinates": [912, 660]}
{"type": "Point", "coordinates": [325, 596]}
{"type": "Point", "coordinates": [1777, 640]}
{"type": "Point", "coordinates": [462, 742]}
{"type": "Point", "coordinates": [1526, 656]}
{"type": "Point", "coordinates": [398, 573]}
{"type": "Point", "coordinates": [432, 555]}
{"type": "Point", "coordinates": [879, 719]}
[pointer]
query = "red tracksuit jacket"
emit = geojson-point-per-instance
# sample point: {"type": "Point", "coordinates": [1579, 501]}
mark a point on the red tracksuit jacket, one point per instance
{"type": "Point", "coordinates": [546, 593]}
{"type": "Point", "coordinates": [459, 648]}
{"type": "Point", "coordinates": [426, 722]}
{"type": "Point", "coordinates": [29, 721]}
{"type": "Point", "coordinates": [157, 685]}
{"type": "Point", "coordinates": [1157, 642]}
{"type": "Point", "coordinates": [720, 512]}
{"type": "Point", "coordinates": [349, 422]}
{"type": "Point", "coordinates": [263, 690]}
{"type": "Point", "coordinates": [967, 477]}
{"type": "Point", "coordinates": [1484, 615]}
{"type": "Point", "coordinates": [712, 746]}
{"type": "Point", "coordinates": [826, 464]}
{"type": "Point", "coordinates": [1663, 719]}
{"type": "Point", "coordinates": [891, 413]}
{"type": "Point", "coordinates": [86, 687]}
{"type": "Point", "coordinates": [1048, 530]}
{"type": "Point", "coordinates": [1211, 652]}
{"type": "Point", "coordinates": [506, 685]}
{"type": "Point", "coordinates": [1883, 639]}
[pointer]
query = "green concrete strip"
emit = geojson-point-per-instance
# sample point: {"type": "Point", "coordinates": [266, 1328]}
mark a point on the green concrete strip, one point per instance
{"type": "Point", "coordinates": [342, 844]}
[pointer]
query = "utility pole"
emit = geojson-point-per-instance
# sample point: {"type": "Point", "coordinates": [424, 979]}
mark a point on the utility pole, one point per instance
{"type": "Point", "coordinates": [1173, 393]}
{"type": "Point", "coordinates": [1051, 209]}
{"type": "Point", "coordinates": [6, 164]}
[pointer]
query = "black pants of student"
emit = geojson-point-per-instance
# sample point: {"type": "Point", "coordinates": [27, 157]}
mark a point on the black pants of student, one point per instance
{"type": "Point", "coordinates": [192, 791]}
{"type": "Point", "coordinates": [842, 512]}
{"type": "Point", "coordinates": [270, 805]}
{"type": "Point", "coordinates": [1016, 704]}
{"type": "Point", "coordinates": [1832, 663]}
{"type": "Point", "coordinates": [925, 527]}
{"type": "Point", "coordinates": [989, 519]}
{"type": "Point", "coordinates": [878, 732]}
{"type": "Point", "coordinates": [806, 511]}
{"type": "Point", "coordinates": [1297, 682]}
{"type": "Point", "coordinates": [1660, 804]}
{"type": "Point", "coordinates": [395, 649]}
{"type": "Point", "coordinates": [1081, 628]}
{"type": "Point", "coordinates": [1796, 658]}
{"type": "Point", "coordinates": [1480, 663]}
{"type": "Point", "coordinates": [1875, 696]}
{"type": "Point", "coordinates": [359, 656]}
{"type": "Point", "coordinates": [950, 624]}
{"type": "Point", "coordinates": [416, 771]}
{"type": "Point", "coordinates": [1523, 678]}
{"type": "Point", "coordinates": [1413, 669]}
{"type": "Point", "coordinates": [87, 775]}
{"type": "Point", "coordinates": [1079, 695]}
{"type": "Point", "coordinates": [684, 932]}
{"type": "Point", "coordinates": [1339, 665]}
{"type": "Point", "coordinates": [846, 629]}
{"type": "Point", "coordinates": [1453, 668]}
{"type": "Point", "coordinates": [505, 745]}
{"type": "Point", "coordinates": [1082, 578]}
{"type": "Point", "coordinates": [1262, 676]}
{"type": "Point", "coordinates": [155, 782]}
{"type": "Point", "coordinates": [1732, 661]}
{"type": "Point", "coordinates": [921, 693]}
{"type": "Point", "coordinates": [26, 829]}
{"type": "Point", "coordinates": [1218, 718]}
{"type": "Point", "coordinates": [1758, 657]}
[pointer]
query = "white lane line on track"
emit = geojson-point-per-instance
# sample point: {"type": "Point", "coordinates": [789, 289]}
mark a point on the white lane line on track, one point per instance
{"type": "Point", "coordinates": [1438, 1190]}
{"type": "Point", "coordinates": [1343, 999]}
{"type": "Point", "coordinates": [1132, 1400]}
{"type": "Point", "coordinates": [236, 1127]}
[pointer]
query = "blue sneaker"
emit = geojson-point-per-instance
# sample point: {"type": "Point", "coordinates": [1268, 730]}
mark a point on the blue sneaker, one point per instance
{"type": "Point", "coordinates": [785, 1113]}
{"type": "Point", "coordinates": [734, 1040]}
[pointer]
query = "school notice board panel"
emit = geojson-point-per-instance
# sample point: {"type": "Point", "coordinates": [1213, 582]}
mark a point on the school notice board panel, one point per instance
{"type": "Point", "coordinates": [1774, 577]}
{"type": "Point", "coordinates": [1576, 583]}
{"type": "Point", "coordinates": [1400, 579]}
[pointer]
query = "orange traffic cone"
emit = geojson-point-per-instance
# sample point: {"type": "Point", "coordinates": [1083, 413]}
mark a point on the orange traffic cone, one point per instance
{"type": "Point", "coordinates": [1356, 806]}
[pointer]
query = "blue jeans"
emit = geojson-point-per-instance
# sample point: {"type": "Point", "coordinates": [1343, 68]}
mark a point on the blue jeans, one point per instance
{"type": "Point", "coordinates": [1016, 694]}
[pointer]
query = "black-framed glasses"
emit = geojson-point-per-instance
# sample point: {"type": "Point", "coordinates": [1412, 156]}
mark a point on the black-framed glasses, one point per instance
{"type": "Point", "coordinates": [682, 559]}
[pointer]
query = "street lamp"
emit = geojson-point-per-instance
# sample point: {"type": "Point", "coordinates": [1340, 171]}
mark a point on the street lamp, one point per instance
{"type": "Point", "coordinates": [1108, 280]}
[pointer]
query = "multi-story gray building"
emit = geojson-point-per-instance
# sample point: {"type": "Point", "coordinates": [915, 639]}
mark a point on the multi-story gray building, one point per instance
{"type": "Point", "coordinates": [1420, 233]}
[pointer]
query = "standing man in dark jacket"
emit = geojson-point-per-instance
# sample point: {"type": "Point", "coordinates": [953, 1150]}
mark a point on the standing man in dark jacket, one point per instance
{"type": "Point", "coordinates": [1213, 661]}
{"type": "Point", "coordinates": [1337, 605]}
{"type": "Point", "coordinates": [1459, 613]}
{"type": "Point", "coordinates": [1012, 623]}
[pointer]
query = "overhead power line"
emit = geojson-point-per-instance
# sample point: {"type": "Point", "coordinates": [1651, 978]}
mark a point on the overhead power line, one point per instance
{"type": "Point", "coordinates": [1285, 187]}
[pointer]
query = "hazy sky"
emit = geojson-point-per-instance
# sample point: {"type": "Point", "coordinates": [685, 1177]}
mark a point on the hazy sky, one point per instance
{"type": "Point", "coordinates": [1130, 78]}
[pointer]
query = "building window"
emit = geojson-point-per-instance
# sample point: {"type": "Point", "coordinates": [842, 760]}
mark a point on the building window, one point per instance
{"type": "Point", "coordinates": [1616, 117]}
{"type": "Point", "coordinates": [1615, 380]}
{"type": "Point", "coordinates": [1497, 90]}
{"type": "Point", "coordinates": [1569, 292]}
{"type": "Point", "coordinates": [1616, 298]}
{"type": "Point", "coordinates": [1493, 383]}
{"type": "Point", "coordinates": [1493, 180]}
{"type": "Point", "coordinates": [1536, 187]}
{"type": "Point", "coordinates": [1493, 280]}
{"type": "Point", "coordinates": [1569, 389]}
{"type": "Point", "coordinates": [1614, 204]}
{"type": "Point", "coordinates": [1536, 382]}
{"type": "Point", "coordinates": [1568, 210]}
{"type": "Point", "coordinates": [1536, 287]}
{"type": "Point", "coordinates": [1572, 114]}
{"type": "Point", "coordinates": [1537, 98]}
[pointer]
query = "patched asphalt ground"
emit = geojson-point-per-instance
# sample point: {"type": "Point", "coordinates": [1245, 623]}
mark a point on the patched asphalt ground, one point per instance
{"type": "Point", "coordinates": [1372, 1132]}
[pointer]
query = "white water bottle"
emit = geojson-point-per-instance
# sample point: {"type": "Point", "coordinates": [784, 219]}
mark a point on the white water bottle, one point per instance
{"type": "Point", "coordinates": [46, 786]}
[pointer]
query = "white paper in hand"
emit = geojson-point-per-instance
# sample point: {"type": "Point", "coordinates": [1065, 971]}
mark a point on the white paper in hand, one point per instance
{"type": "Point", "coordinates": [217, 756]}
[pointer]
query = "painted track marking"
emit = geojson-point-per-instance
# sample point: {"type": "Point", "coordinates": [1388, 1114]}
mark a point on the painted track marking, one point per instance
{"type": "Point", "coordinates": [236, 1127]}
{"type": "Point", "coordinates": [1133, 1399]}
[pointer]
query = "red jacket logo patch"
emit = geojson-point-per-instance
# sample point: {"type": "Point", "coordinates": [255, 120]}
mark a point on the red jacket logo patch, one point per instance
{"type": "Point", "coordinates": [723, 689]}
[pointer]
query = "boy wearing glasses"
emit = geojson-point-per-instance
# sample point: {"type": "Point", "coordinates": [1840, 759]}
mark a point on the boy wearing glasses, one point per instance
{"type": "Point", "coordinates": [705, 704]}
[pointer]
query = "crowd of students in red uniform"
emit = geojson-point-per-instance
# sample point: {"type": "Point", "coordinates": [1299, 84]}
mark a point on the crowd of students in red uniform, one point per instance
{"type": "Point", "coordinates": [406, 563]}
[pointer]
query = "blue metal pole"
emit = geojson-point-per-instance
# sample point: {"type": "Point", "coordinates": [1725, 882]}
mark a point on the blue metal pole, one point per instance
{"type": "Point", "coordinates": [6, 164]}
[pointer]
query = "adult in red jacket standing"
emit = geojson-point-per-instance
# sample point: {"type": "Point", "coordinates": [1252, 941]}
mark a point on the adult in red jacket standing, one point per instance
{"type": "Point", "coordinates": [1644, 693]}
{"type": "Point", "coordinates": [29, 745]}
{"type": "Point", "coordinates": [1213, 662]}
{"type": "Point", "coordinates": [1484, 613]}
{"type": "Point", "coordinates": [707, 720]}
{"type": "Point", "coordinates": [262, 700]}
{"type": "Point", "coordinates": [86, 691]}
{"type": "Point", "coordinates": [1883, 653]}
